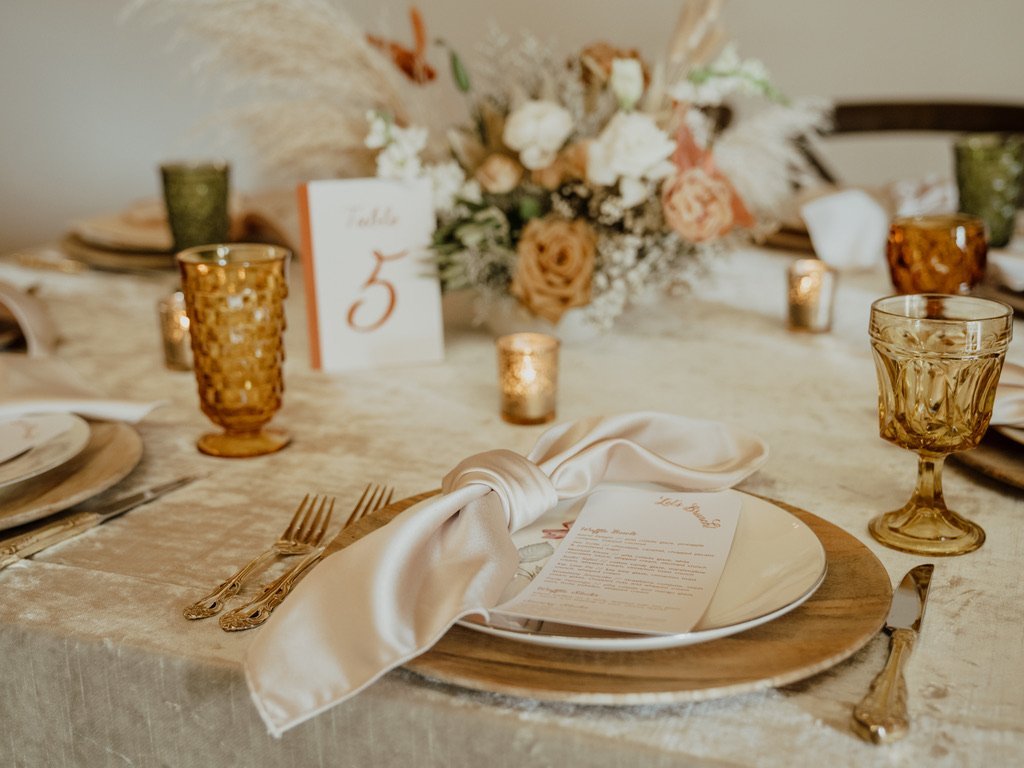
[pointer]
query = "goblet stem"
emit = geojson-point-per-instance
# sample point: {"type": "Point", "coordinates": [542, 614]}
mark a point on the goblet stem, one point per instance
{"type": "Point", "coordinates": [924, 525]}
{"type": "Point", "coordinates": [928, 493]}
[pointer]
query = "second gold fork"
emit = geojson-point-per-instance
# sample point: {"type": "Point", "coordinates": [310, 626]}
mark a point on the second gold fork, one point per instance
{"type": "Point", "coordinates": [256, 612]}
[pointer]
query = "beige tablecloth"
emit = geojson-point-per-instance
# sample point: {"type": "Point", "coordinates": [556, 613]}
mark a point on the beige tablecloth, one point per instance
{"type": "Point", "coordinates": [99, 668]}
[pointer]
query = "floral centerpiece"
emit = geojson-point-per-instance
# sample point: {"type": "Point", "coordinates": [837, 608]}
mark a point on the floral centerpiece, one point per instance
{"type": "Point", "coordinates": [580, 184]}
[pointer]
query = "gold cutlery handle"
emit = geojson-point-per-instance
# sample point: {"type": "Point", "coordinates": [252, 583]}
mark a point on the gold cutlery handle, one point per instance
{"type": "Point", "coordinates": [28, 544]}
{"type": "Point", "coordinates": [881, 716]}
{"type": "Point", "coordinates": [213, 603]}
{"type": "Point", "coordinates": [254, 613]}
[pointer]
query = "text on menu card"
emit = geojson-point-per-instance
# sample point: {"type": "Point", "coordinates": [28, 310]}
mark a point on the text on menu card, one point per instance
{"type": "Point", "coordinates": [635, 561]}
{"type": "Point", "coordinates": [372, 299]}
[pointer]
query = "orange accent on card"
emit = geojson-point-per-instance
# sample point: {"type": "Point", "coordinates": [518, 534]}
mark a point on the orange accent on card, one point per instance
{"type": "Point", "coordinates": [309, 275]}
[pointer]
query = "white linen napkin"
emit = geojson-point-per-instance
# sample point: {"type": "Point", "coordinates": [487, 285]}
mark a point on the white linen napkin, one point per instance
{"type": "Point", "coordinates": [390, 596]}
{"type": "Point", "coordinates": [1008, 410]}
{"type": "Point", "coordinates": [31, 385]}
{"type": "Point", "coordinates": [847, 228]}
{"type": "Point", "coordinates": [32, 318]}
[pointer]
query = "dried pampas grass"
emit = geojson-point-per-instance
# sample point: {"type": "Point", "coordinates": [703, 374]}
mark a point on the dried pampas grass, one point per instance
{"type": "Point", "coordinates": [761, 157]}
{"type": "Point", "coordinates": [304, 72]}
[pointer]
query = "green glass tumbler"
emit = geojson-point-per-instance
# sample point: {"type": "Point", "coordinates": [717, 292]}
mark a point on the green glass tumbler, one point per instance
{"type": "Point", "coordinates": [989, 174]}
{"type": "Point", "coordinates": [196, 195]}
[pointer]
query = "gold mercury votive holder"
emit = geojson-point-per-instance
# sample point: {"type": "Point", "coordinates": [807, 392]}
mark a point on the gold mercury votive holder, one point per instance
{"type": "Point", "coordinates": [174, 331]}
{"type": "Point", "coordinates": [812, 288]}
{"type": "Point", "coordinates": [528, 377]}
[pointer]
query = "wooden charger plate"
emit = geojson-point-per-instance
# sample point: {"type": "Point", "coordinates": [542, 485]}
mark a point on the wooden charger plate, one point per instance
{"type": "Point", "coordinates": [113, 450]}
{"type": "Point", "coordinates": [997, 457]}
{"type": "Point", "coordinates": [841, 617]}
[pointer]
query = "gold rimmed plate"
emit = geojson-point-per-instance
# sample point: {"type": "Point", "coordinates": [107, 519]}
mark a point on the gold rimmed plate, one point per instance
{"type": "Point", "coordinates": [113, 450]}
{"type": "Point", "coordinates": [32, 445]}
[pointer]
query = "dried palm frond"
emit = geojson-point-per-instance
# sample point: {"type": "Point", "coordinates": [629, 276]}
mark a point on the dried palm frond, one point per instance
{"type": "Point", "coordinates": [697, 36]}
{"type": "Point", "coordinates": [305, 71]}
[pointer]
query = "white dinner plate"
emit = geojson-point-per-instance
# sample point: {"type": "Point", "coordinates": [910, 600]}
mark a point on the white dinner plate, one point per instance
{"type": "Point", "coordinates": [63, 436]}
{"type": "Point", "coordinates": [775, 564]}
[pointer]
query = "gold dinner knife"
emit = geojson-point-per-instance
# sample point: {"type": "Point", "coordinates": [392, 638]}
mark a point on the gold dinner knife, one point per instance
{"type": "Point", "coordinates": [881, 716]}
{"type": "Point", "coordinates": [19, 547]}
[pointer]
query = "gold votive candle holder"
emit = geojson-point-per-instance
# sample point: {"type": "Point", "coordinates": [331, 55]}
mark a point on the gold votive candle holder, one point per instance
{"type": "Point", "coordinates": [174, 331]}
{"type": "Point", "coordinates": [528, 377]}
{"type": "Point", "coordinates": [812, 289]}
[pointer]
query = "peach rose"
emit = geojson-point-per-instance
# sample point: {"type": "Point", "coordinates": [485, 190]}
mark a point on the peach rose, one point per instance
{"type": "Point", "coordinates": [498, 174]}
{"type": "Point", "coordinates": [554, 266]}
{"type": "Point", "coordinates": [571, 164]}
{"type": "Point", "coordinates": [697, 205]}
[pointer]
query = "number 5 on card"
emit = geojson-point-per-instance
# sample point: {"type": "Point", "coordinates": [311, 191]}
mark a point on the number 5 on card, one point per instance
{"type": "Point", "coordinates": [371, 298]}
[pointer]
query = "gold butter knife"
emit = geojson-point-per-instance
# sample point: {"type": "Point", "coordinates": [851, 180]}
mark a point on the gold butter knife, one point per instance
{"type": "Point", "coordinates": [881, 716]}
{"type": "Point", "coordinates": [26, 544]}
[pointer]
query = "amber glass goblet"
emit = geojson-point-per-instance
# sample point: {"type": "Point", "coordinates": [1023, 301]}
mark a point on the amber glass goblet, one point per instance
{"type": "Point", "coordinates": [938, 360]}
{"type": "Point", "coordinates": [942, 253]}
{"type": "Point", "coordinates": [234, 295]}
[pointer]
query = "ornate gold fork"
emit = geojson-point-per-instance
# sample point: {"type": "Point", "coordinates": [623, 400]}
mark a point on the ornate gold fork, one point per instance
{"type": "Point", "coordinates": [302, 536]}
{"type": "Point", "coordinates": [257, 611]}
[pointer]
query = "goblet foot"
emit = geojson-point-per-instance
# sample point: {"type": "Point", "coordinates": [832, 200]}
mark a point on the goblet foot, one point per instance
{"type": "Point", "coordinates": [241, 445]}
{"type": "Point", "coordinates": [927, 531]}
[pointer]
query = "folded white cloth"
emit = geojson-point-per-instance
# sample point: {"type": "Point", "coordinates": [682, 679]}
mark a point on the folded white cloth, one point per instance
{"type": "Point", "coordinates": [1008, 410]}
{"type": "Point", "coordinates": [49, 385]}
{"type": "Point", "coordinates": [390, 596]}
{"type": "Point", "coordinates": [847, 228]}
{"type": "Point", "coordinates": [920, 197]}
{"type": "Point", "coordinates": [1006, 265]}
{"type": "Point", "coordinates": [32, 318]}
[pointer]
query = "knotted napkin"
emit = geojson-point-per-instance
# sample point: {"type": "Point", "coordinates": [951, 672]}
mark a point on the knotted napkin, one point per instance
{"type": "Point", "coordinates": [391, 595]}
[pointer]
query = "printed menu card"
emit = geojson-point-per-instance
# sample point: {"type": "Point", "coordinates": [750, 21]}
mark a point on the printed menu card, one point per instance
{"type": "Point", "coordinates": [635, 561]}
{"type": "Point", "coordinates": [371, 296]}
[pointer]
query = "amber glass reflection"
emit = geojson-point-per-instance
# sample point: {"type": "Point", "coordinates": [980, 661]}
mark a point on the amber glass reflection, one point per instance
{"type": "Point", "coordinates": [937, 254]}
{"type": "Point", "coordinates": [938, 360]}
{"type": "Point", "coordinates": [235, 300]}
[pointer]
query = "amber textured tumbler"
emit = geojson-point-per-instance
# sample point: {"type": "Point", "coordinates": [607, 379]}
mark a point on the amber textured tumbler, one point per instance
{"type": "Point", "coordinates": [235, 295]}
{"type": "Point", "coordinates": [942, 253]}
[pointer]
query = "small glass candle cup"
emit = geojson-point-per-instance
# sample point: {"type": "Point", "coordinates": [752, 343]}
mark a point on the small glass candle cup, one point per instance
{"type": "Point", "coordinates": [989, 176]}
{"type": "Point", "coordinates": [196, 196]}
{"type": "Point", "coordinates": [174, 331]}
{"type": "Point", "coordinates": [812, 288]}
{"type": "Point", "coordinates": [941, 253]}
{"type": "Point", "coordinates": [528, 377]}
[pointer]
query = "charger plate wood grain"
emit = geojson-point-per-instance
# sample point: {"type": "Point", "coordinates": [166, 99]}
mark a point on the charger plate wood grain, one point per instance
{"type": "Point", "coordinates": [845, 613]}
{"type": "Point", "coordinates": [998, 457]}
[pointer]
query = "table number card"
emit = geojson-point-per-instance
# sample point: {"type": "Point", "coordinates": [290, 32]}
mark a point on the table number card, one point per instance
{"type": "Point", "coordinates": [635, 561]}
{"type": "Point", "coordinates": [371, 298]}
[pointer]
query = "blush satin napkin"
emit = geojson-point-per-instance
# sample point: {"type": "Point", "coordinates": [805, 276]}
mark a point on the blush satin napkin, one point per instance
{"type": "Point", "coordinates": [390, 596]}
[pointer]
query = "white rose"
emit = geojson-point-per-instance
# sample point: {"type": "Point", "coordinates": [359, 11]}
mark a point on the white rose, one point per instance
{"type": "Point", "coordinates": [631, 147]}
{"type": "Point", "coordinates": [537, 130]}
{"type": "Point", "coordinates": [446, 180]}
{"type": "Point", "coordinates": [627, 82]}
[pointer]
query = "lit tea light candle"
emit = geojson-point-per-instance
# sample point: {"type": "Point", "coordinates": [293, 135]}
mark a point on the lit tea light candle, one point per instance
{"type": "Point", "coordinates": [812, 286]}
{"type": "Point", "coordinates": [528, 376]}
{"type": "Point", "coordinates": [174, 330]}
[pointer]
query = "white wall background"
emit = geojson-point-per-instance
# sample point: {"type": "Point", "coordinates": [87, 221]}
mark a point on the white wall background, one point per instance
{"type": "Point", "coordinates": [90, 106]}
